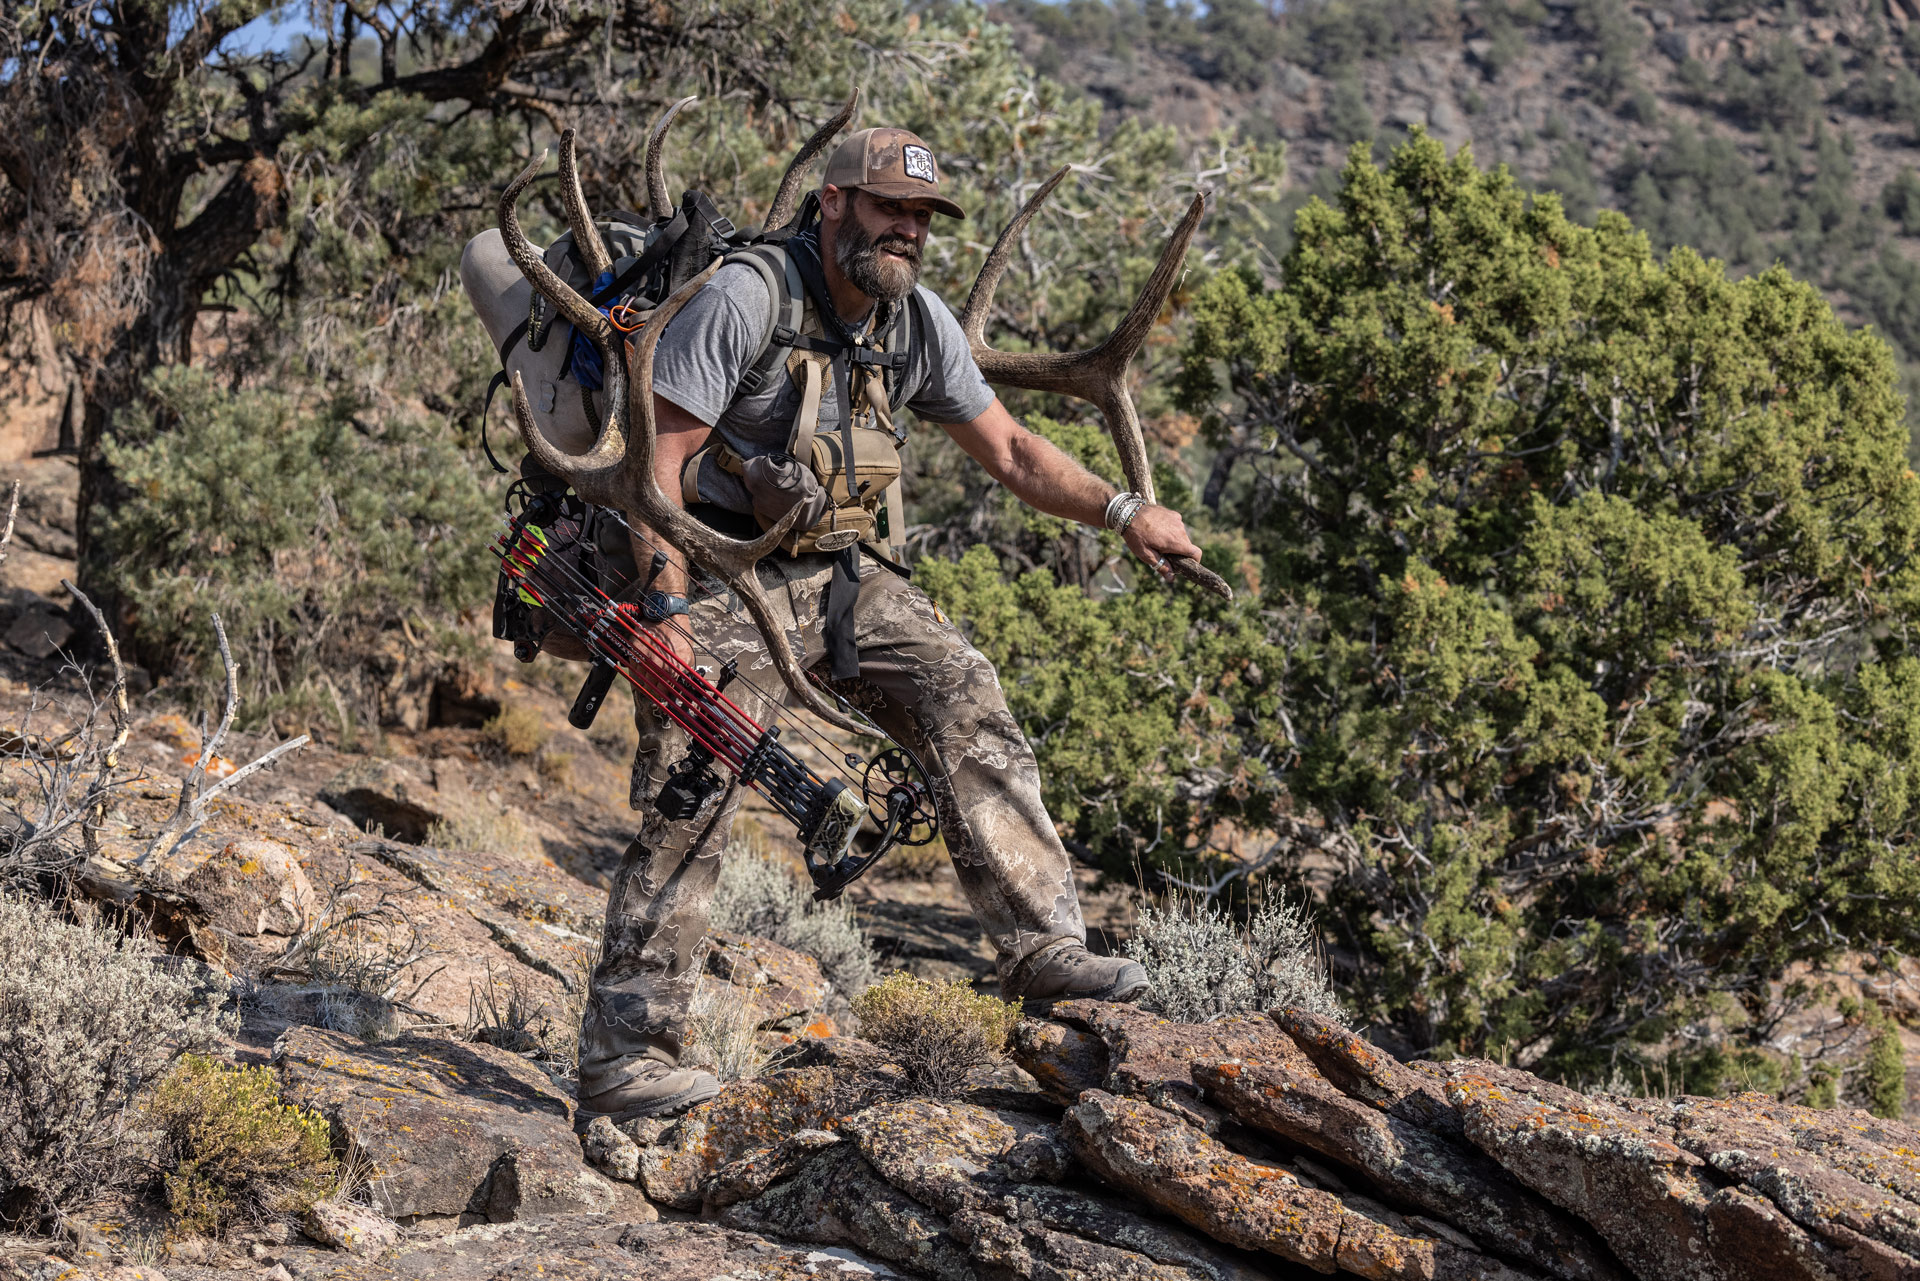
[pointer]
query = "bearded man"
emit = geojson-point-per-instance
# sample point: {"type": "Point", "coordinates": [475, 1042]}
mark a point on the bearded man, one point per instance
{"type": "Point", "coordinates": [726, 445]}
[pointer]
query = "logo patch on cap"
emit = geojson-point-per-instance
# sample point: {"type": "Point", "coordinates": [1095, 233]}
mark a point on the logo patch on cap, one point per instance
{"type": "Point", "coordinates": [918, 162]}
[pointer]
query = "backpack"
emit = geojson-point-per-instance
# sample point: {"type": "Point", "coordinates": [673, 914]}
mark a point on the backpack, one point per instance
{"type": "Point", "coordinates": [855, 471]}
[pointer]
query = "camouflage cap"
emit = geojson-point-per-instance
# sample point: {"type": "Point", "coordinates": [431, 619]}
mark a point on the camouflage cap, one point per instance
{"type": "Point", "coordinates": [892, 163]}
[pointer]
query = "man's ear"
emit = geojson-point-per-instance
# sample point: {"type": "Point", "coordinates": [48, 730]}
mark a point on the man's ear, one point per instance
{"type": "Point", "coordinates": [833, 202]}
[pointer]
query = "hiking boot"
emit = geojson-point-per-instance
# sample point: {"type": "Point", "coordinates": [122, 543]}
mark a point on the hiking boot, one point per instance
{"type": "Point", "coordinates": [1068, 972]}
{"type": "Point", "coordinates": [657, 1090]}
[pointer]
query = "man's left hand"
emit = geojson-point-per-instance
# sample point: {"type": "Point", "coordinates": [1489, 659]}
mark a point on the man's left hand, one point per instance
{"type": "Point", "coordinates": [1157, 533]}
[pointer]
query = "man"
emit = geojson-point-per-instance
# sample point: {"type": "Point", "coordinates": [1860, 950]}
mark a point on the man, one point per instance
{"type": "Point", "coordinates": [898, 658]}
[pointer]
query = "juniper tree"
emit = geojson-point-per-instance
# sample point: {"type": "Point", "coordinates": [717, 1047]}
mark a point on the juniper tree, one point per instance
{"type": "Point", "coordinates": [1579, 665]}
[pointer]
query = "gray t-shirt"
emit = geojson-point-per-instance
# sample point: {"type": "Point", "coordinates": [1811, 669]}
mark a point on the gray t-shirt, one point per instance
{"type": "Point", "coordinates": [716, 336]}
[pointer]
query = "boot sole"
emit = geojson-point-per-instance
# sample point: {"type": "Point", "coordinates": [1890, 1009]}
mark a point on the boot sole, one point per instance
{"type": "Point", "coordinates": [672, 1105]}
{"type": "Point", "coordinates": [1119, 994]}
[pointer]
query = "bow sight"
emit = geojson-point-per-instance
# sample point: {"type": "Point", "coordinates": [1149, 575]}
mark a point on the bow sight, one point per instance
{"type": "Point", "coordinates": [548, 579]}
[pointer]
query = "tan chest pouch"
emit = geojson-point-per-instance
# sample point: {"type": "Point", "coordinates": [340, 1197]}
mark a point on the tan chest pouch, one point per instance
{"type": "Point", "coordinates": [854, 506]}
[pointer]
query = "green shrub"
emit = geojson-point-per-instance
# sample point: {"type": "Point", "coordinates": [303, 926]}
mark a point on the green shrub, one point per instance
{"type": "Point", "coordinates": [1578, 663]}
{"type": "Point", "coordinates": [1823, 1085]}
{"type": "Point", "coordinates": [310, 533]}
{"type": "Point", "coordinates": [89, 1019]}
{"type": "Point", "coordinates": [1886, 1072]}
{"type": "Point", "coordinates": [1589, 579]}
{"type": "Point", "coordinates": [723, 1027]}
{"type": "Point", "coordinates": [233, 1151]}
{"type": "Point", "coordinates": [937, 1032]}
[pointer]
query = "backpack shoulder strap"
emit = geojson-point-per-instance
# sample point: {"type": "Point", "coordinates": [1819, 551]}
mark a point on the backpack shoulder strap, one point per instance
{"type": "Point", "coordinates": [788, 298]}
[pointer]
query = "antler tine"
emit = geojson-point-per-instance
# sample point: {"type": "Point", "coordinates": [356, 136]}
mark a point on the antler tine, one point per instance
{"type": "Point", "coordinates": [788, 195]}
{"type": "Point", "coordinates": [979, 308]}
{"type": "Point", "coordinates": [589, 473]}
{"type": "Point", "coordinates": [578, 311]}
{"type": "Point", "coordinates": [661, 204]}
{"type": "Point", "coordinates": [730, 559]}
{"type": "Point", "coordinates": [589, 245]}
{"type": "Point", "coordinates": [1100, 374]}
{"type": "Point", "coordinates": [594, 475]}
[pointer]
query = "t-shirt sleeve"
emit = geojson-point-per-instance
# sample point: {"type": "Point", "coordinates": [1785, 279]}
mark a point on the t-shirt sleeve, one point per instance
{"type": "Point", "coordinates": [955, 390]}
{"type": "Point", "coordinates": [702, 355]}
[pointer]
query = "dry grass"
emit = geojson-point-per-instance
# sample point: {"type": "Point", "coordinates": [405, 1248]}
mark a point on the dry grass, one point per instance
{"type": "Point", "coordinates": [518, 730]}
{"type": "Point", "coordinates": [555, 769]}
{"type": "Point", "coordinates": [722, 1031]}
{"type": "Point", "coordinates": [365, 949]}
{"type": "Point", "coordinates": [484, 830]}
{"type": "Point", "coordinates": [507, 1011]}
{"type": "Point", "coordinates": [913, 862]}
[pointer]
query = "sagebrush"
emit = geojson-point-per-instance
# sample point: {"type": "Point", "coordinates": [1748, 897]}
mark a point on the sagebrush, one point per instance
{"type": "Point", "coordinates": [1204, 965]}
{"type": "Point", "coordinates": [938, 1032]}
{"type": "Point", "coordinates": [761, 894]}
{"type": "Point", "coordinates": [89, 1019]}
{"type": "Point", "coordinates": [233, 1151]}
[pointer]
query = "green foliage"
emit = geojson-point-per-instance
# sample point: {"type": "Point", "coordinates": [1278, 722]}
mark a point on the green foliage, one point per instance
{"type": "Point", "coordinates": [306, 528]}
{"type": "Point", "coordinates": [233, 1151]}
{"type": "Point", "coordinates": [1823, 1085]}
{"type": "Point", "coordinates": [1348, 117]}
{"type": "Point", "coordinates": [1614, 34]}
{"type": "Point", "coordinates": [1587, 586]}
{"type": "Point", "coordinates": [938, 1032]}
{"type": "Point", "coordinates": [1886, 1072]}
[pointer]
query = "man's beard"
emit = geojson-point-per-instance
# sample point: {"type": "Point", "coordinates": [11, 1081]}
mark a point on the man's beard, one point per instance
{"type": "Point", "coordinates": [862, 260]}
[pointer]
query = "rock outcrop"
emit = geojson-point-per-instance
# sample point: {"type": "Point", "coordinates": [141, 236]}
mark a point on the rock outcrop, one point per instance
{"type": "Point", "coordinates": [450, 1128]}
{"type": "Point", "coordinates": [1283, 1146]}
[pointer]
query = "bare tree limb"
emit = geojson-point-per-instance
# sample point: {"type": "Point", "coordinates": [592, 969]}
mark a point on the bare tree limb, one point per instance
{"type": "Point", "coordinates": [190, 813]}
{"type": "Point", "coordinates": [6, 535]}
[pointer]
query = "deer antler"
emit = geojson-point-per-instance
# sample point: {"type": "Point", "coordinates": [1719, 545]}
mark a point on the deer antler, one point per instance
{"type": "Point", "coordinates": [618, 470]}
{"type": "Point", "coordinates": [660, 204]}
{"type": "Point", "coordinates": [784, 200]}
{"type": "Point", "coordinates": [1099, 375]}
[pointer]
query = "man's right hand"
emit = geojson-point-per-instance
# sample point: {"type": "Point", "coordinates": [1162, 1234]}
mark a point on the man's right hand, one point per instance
{"type": "Point", "coordinates": [673, 634]}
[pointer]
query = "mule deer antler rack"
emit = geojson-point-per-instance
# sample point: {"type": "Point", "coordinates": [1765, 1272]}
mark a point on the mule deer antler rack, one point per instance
{"type": "Point", "coordinates": [618, 470]}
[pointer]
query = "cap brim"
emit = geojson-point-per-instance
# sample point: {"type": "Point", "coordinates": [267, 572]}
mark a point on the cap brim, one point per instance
{"type": "Point", "coordinates": [914, 191]}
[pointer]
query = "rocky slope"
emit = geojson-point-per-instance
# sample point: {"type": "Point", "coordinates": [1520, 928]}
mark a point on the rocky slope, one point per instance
{"type": "Point", "coordinates": [435, 1038]}
{"type": "Point", "coordinates": [1118, 1145]}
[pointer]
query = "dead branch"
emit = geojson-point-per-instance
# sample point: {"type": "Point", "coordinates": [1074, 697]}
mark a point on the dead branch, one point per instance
{"type": "Point", "coordinates": [122, 720]}
{"type": "Point", "coordinates": [190, 813]}
{"type": "Point", "coordinates": [6, 535]}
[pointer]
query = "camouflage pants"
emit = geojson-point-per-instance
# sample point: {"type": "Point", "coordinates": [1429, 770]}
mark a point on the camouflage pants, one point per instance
{"type": "Point", "coordinates": [922, 683]}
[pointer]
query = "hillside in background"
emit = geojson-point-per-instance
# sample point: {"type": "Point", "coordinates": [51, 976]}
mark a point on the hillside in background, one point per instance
{"type": "Point", "coordinates": [1753, 132]}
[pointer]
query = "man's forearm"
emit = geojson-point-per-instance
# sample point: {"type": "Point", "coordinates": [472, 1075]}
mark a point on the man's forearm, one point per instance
{"type": "Point", "coordinates": [677, 438]}
{"type": "Point", "coordinates": [1041, 475]}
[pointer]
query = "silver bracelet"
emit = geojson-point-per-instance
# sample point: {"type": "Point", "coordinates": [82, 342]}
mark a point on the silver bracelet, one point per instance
{"type": "Point", "coordinates": [1111, 518]}
{"type": "Point", "coordinates": [1126, 517]}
